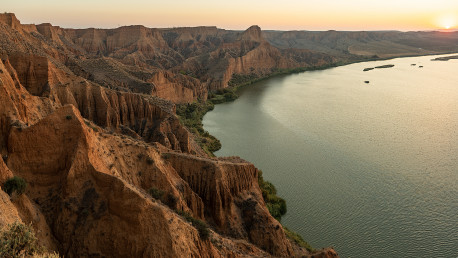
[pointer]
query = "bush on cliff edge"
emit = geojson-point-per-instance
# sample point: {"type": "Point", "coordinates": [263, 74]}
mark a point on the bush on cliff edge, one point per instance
{"type": "Point", "coordinates": [275, 204]}
{"type": "Point", "coordinates": [15, 184]}
{"type": "Point", "coordinates": [198, 224]}
{"type": "Point", "coordinates": [155, 193]}
{"type": "Point", "coordinates": [19, 240]}
{"type": "Point", "coordinates": [191, 116]}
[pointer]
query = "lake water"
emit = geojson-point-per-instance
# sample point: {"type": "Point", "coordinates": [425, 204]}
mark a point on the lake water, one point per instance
{"type": "Point", "coordinates": [371, 169]}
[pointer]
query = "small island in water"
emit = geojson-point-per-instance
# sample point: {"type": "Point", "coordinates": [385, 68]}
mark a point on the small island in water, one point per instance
{"type": "Point", "coordinates": [378, 67]}
{"type": "Point", "coordinates": [445, 58]}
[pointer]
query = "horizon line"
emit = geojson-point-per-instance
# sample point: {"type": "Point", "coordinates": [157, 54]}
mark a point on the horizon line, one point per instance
{"type": "Point", "coordinates": [233, 29]}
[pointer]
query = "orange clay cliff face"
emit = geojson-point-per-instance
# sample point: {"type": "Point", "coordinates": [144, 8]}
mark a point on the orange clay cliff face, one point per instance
{"type": "Point", "coordinates": [87, 118]}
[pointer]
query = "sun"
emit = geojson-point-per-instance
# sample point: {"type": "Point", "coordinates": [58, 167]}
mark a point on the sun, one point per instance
{"type": "Point", "coordinates": [447, 21]}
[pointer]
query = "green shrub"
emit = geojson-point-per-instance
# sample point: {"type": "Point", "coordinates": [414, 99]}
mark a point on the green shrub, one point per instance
{"type": "Point", "coordinates": [18, 240]}
{"type": "Point", "coordinates": [191, 116]}
{"type": "Point", "coordinates": [155, 193]}
{"type": "Point", "coordinates": [275, 204]}
{"type": "Point", "coordinates": [243, 79]}
{"type": "Point", "coordinates": [171, 201]}
{"type": "Point", "coordinates": [198, 224]}
{"type": "Point", "coordinates": [68, 117]}
{"type": "Point", "coordinates": [213, 144]}
{"type": "Point", "coordinates": [202, 228]}
{"type": "Point", "coordinates": [230, 96]}
{"type": "Point", "coordinates": [15, 184]}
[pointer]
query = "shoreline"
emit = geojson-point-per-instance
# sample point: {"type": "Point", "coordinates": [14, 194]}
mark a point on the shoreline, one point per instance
{"type": "Point", "coordinates": [218, 98]}
{"type": "Point", "coordinates": [323, 67]}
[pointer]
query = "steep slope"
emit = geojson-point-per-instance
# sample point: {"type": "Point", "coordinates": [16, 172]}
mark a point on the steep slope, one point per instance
{"type": "Point", "coordinates": [83, 190]}
{"type": "Point", "coordinates": [133, 58]}
{"type": "Point", "coordinates": [90, 154]}
{"type": "Point", "coordinates": [23, 210]}
{"type": "Point", "coordinates": [83, 201]}
{"type": "Point", "coordinates": [247, 53]}
{"type": "Point", "coordinates": [114, 70]}
{"type": "Point", "coordinates": [137, 115]}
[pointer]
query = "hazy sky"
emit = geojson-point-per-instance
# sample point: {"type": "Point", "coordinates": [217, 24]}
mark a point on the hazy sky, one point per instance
{"type": "Point", "coordinates": [240, 14]}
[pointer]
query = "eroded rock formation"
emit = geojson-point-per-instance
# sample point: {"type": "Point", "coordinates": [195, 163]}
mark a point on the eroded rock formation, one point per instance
{"type": "Point", "coordinates": [91, 141]}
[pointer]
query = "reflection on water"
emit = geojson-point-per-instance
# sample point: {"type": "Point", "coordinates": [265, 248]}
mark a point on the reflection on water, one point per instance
{"type": "Point", "coordinates": [370, 169]}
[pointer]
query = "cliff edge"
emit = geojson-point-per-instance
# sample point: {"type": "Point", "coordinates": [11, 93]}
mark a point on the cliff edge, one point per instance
{"type": "Point", "coordinates": [110, 170]}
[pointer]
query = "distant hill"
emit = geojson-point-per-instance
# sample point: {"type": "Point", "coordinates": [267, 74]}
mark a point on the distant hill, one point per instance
{"type": "Point", "coordinates": [382, 44]}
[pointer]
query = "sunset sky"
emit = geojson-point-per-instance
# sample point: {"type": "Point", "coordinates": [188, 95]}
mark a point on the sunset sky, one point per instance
{"type": "Point", "coordinates": [240, 14]}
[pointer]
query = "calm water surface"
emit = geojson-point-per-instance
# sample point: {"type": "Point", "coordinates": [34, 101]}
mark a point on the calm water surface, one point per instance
{"type": "Point", "coordinates": [371, 169]}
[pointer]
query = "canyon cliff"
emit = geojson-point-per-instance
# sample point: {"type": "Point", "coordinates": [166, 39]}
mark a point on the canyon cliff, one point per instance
{"type": "Point", "coordinates": [179, 64]}
{"type": "Point", "coordinates": [87, 119]}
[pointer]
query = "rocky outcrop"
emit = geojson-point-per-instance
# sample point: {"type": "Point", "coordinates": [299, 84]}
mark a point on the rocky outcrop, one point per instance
{"type": "Point", "coordinates": [91, 211]}
{"type": "Point", "coordinates": [50, 32]}
{"type": "Point", "coordinates": [146, 117]}
{"type": "Point", "coordinates": [33, 72]}
{"type": "Point", "coordinates": [96, 204]}
{"type": "Point", "coordinates": [10, 20]}
{"type": "Point", "coordinates": [253, 33]}
{"type": "Point", "coordinates": [325, 253]}
{"type": "Point", "coordinates": [232, 199]}
{"type": "Point", "coordinates": [91, 40]}
{"type": "Point", "coordinates": [177, 87]}
{"type": "Point", "coordinates": [17, 106]}
{"type": "Point", "coordinates": [84, 120]}
{"type": "Point", "coordinates": [135, 38]}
